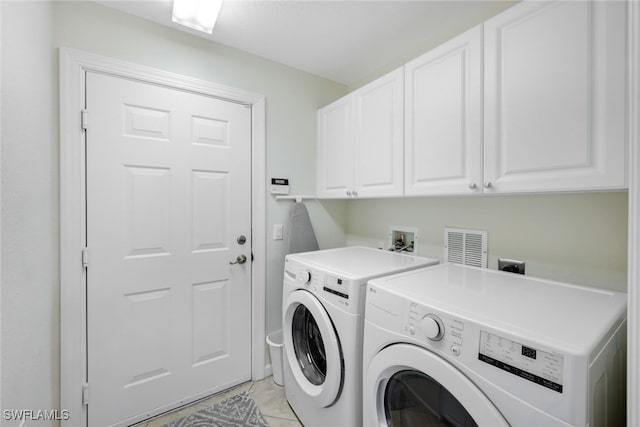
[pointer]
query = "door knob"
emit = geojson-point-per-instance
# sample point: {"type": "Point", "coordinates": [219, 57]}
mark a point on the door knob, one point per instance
{"type": "Point", "coordinates": [241, 259]}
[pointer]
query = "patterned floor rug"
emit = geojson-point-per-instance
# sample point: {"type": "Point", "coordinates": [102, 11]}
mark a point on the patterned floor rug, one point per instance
{"type": "Point", "coordinates": [237, 411]}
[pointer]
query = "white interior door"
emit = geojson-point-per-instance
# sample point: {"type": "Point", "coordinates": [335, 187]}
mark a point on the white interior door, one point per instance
{"type": "Point", "coordinates": [168, 193]}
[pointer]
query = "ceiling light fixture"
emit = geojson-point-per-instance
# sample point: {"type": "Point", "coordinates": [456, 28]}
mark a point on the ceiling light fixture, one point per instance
{"type": "Point", "coordinates": [200, 15]}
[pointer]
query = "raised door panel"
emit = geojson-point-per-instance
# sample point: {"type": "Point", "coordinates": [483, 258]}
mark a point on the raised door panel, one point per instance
{"type": "Point", "coordinates": [378, 137]}
{"type": "Point", "coordinates": [555, 97]}
{"type": "Point", "coordinates": [443, 118]}
{"type": "Point", "coordinates": [334, 151]}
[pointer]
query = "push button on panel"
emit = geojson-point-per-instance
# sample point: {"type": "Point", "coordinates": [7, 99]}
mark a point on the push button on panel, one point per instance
{"type": "Point", "coordinates": [455, 350]}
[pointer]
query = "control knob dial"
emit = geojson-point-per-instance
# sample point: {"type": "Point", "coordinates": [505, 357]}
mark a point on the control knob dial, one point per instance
{"type": "Point", "coordinates": [305, 277]}
{"type": "Point", "coordinates": [432, 327]}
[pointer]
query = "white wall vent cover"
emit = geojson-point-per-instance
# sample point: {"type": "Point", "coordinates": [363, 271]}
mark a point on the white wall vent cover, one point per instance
{"type": "Point", "coordinates": [468, 247]}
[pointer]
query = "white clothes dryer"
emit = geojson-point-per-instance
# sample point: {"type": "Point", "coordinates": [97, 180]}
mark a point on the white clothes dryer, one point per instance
{"type": "Point", "coordinates": [323, 306]}
{"type": "Point", "coordinates": [462, 346]}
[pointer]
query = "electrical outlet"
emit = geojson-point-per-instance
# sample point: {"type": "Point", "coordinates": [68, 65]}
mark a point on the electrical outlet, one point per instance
{"type": "Point", "coordinates": [511, 265]}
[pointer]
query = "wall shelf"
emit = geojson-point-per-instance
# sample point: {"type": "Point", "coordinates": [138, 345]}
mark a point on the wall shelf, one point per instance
{"type": "Point", "coordinates": [296, 197]}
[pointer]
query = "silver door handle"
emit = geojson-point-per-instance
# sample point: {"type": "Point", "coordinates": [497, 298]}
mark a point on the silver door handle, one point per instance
{"type": "Point", "coordinates": [241, 259]}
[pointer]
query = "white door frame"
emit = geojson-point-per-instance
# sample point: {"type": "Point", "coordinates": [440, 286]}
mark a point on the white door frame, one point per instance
{"type": "Point", "coordinates": [73, 344]}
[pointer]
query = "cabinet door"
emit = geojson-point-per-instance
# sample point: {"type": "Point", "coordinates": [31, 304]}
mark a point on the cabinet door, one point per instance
{"type": "Point", "coordinates": [378, 137]}
{"type": "Point", "coordinates": [443, 118]}
{"type": "Point", "coordinates": [555, 97]}
{"type": "Point", "coordinates": [334, 151]}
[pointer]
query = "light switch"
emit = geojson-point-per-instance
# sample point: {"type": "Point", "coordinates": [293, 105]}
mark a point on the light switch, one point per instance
{"type": "Point", "coordinates": [277, 231]}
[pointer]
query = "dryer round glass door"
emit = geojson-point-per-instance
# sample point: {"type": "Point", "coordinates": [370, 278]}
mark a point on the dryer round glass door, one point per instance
{"type": "Point", "coordinates": [412, 398]}
{"type": "Point", "coordinates": [406, 385]}
{"type": "Point", "coordinates": [312, 348]}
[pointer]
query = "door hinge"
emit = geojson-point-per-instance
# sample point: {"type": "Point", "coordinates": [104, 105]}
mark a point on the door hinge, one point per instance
{"type": "Point", "coordinates": [84, 119]}
{"type": "Point", "coordinates": [85, 257]}
{"type": "Point", "coordinates": [85, 393]}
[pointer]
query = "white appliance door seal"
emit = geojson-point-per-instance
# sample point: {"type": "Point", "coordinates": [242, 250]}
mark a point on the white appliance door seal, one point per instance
{"type": "Point", "coordinates": [325, 393]}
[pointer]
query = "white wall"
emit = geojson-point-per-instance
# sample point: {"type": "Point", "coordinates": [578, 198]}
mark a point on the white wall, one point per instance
{"type": "Point", "coordinates": [578, 238]}
{"type": "Point", "coordinates": [31, 34]}
{"type": "Point", "coordinates": [29, 211]}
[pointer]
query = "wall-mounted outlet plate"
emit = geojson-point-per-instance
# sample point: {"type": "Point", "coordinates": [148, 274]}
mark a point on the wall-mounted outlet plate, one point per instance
{"type": "Point", "coordinates": [511, 265]}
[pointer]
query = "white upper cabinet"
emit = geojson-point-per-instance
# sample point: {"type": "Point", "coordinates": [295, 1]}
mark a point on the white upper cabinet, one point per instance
{"type": "Point", "coordinates": [533, 100]}
{"type": "Point", "coordinates": [554, 97]}
{"type": "Point", "coordinates": [443, 118]}
{"type": "Point", "coordinates": [334, 150]}
{"type": "Point", "coordinates": [359, 146]}
{"type": "Point", "coordinates": [378, 137]}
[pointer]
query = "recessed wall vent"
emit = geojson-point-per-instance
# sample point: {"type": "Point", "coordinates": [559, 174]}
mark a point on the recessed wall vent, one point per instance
{"type": "Point", "coordinates": [468, 247]}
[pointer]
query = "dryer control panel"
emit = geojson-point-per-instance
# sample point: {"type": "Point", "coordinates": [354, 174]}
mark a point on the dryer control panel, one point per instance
{"type": "Point", "coordinates": [425, 324]}
{"type": "Point", "coordinates": [532, 364]}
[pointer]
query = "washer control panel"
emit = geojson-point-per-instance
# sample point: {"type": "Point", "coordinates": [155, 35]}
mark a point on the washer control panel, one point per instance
{"type": "Point", "coordinates": [340, 291]}
{"type": "Point", "coordinates": [336, 286]}
{"type": "Point", "coordinates": [301, 275]}
{"type": "Point", "coordinates": [439, 329]}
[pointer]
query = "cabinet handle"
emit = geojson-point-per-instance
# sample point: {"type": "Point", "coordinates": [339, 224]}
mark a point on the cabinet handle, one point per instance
{"type": "Point", "coordinates": [487, 184]}
{"type": "Point", "coordinates": [348, 193]}
{"type": "Point", "coordinates": [473, 186]}
{"type": "Point", "coordinates": [355, 194]}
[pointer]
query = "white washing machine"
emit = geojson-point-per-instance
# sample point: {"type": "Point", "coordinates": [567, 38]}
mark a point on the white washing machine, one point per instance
{"type": "Point", "coordinates": [462, 346]}
{"type": "Point", "coordinates": [323, 309]}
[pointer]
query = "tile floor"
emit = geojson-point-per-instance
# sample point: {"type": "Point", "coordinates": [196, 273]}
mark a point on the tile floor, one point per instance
{"type": "Point", "coordinates": [269, 397]}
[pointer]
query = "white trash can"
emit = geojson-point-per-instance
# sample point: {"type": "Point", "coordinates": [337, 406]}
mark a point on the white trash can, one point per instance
{"type": "Point", "coordinates": [275, 342]}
